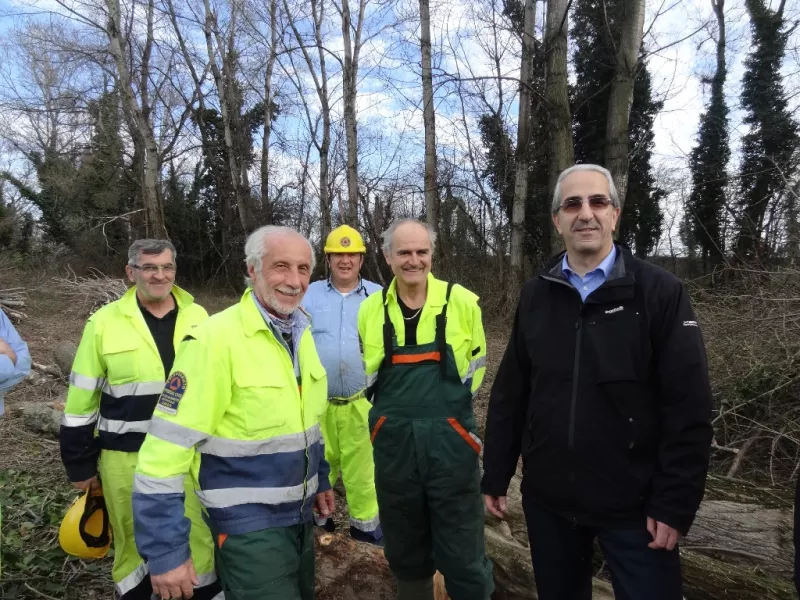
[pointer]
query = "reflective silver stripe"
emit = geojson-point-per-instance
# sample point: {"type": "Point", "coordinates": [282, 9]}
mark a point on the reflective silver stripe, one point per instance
{"type": "Point", "coordinates": [477, 439]}
{"type": "Point", "coordinates": [112, 426]}
{"type": "Point", "coordinates": [136, 388]}
{"type": "Point", "coordinates": [83, 382]}
{"type": "Point", "coordinates": [474, 365]}
{"type": "Point", "coordinates": [132, 580]}
{"type": "Point", "coordinates": [175, 433]}
{"type": "Point", "coordinates": [78, 420]}
{"type": "Point", "coordinates": [372, 378]}
{"type": "Point", "coordinates": [291, 442]}
{"type": "Point", "coordinates": [207, 579]}
{"type": "Point", "coordinates": [142, 484]}
{"type": "Point", "coordinates": [220, 596]}
{"type": "Point", "coordinates": [366, 526]}
{"type": "Point", "coordinates": [225, 497]}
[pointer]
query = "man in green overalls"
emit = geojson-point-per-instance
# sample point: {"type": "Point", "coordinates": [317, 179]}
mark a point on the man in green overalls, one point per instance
{"type": "Point", "coordinates": [425, 357]}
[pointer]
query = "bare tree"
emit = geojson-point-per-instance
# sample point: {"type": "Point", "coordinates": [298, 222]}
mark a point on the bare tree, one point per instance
{"type": "Point", "coordinates": [562, 153]}
{"type": "Point", "coordinates": [621, 97]}
{"type": "Point", "coordinates": [428, 117]}
{"type": "Point", "coordinates": [523, 142]}
{"type": "Point", "coordinates": [320, 79]}
{"type": "Point", "coordinates": [230, 102]}
{"type": "Point", "coordinates": [138, 115]}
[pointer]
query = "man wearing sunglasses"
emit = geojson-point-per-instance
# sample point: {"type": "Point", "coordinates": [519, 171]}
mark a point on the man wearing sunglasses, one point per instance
{"type": "Point", "coordinates": [604, 392]}
{"type": "Point", "coordinates": [120, 368]}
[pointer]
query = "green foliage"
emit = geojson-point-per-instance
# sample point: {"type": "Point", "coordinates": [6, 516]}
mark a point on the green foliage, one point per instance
{"type": "Point", "coordinates": [32, 512]}
{"type": "Point", "coordinates": [708, 163]}
{"type": "Point", "coordinates": [768, 149]}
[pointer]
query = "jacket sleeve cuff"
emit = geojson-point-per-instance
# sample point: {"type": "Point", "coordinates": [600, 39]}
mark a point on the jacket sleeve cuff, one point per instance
{"type": "Point", "coordinates": [681, 524]}
{"type": "Point", "coordinates": [492, 488]}
{"type": "Point", "coordinates": [81, 471]}
{"type": "Point", "coordinates": [168, 562]}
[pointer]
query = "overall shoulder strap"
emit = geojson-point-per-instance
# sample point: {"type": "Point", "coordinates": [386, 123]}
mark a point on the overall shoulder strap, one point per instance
{"type": "Point", "coordinates": [441, 326]}
{"type": "Point", "coordinates": [388, 332]}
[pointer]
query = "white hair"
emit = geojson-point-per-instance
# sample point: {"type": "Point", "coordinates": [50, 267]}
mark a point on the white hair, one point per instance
{"type": "Point", "coordinates": [255, 248]}
{"type": "Point", "coordinates": [388, 235]}
{"type": "Point", "coordinates": [612, 189]}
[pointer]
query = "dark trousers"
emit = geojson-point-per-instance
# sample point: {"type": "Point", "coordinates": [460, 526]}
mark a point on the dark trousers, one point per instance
{"type": "Point", "coordinates": [270, 564]}
{"type": "Point", "coordinates": [144, 591]}
{"type": "Point", "coordinates": [562, 560]}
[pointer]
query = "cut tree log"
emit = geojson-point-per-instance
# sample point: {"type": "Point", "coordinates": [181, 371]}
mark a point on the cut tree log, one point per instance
{"type": "Point", "coordinates": [734, 551]}
{"type": "Point", "coordinates": [11, 300]}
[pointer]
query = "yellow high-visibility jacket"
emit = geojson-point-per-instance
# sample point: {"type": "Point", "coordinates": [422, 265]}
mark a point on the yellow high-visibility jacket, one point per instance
{"type": "Point", "coordinates": [464, 331]}
{"type": "Point", "coordinates": [243, 419]}
{"type": "Point", "coordinates": [116, 378]}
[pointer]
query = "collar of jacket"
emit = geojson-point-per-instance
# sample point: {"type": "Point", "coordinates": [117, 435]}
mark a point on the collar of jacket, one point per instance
{"type": "Point", "coordinates": [437, 292]}
{"type": "Point", "coordinates": [618, 285]}
{"type": "Point", "coordinates": [129, 306]}
{"type": "Point", "coordinates": [253, 321]}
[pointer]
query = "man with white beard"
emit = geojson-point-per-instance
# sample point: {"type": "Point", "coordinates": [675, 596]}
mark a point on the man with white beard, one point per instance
{"type": "Point", "coordinates": [241, 414]}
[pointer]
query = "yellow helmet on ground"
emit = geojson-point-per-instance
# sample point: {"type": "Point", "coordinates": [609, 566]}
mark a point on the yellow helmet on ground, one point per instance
{"type": "Point", "coordinates": [85, 531]}
{"type": "Point", "coordinates": [345, 240]}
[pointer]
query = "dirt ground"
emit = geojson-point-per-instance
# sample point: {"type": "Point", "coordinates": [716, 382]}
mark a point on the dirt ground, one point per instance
{"type": "Point", "coordinates": [34, 490]}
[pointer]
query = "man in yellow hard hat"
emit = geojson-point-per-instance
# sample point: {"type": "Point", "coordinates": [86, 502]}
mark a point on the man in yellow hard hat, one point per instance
{"type": "Point", "coordinates": [333, 305]}
{"type": "Point", "coordinates": [126, 351]}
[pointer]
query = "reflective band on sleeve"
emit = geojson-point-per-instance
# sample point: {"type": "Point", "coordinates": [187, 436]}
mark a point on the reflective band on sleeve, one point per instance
{"type": "Point", "coordinates": [291, 442]}
{"type": "Point", "coordinates": [83, 382]}
{"type": "Point", "coordinates": [223, 498]}
{"type": "Point", "coordinates": [136, 388]}
{"type": "Point", "coordinates": [78, 420]}
{"type": "Point", "coordinates": [177, 434]}
{"type": "Point", "coordinates": [474, 365]}
{"type": "Point", "coordinates": [121, 427]}
{"type": "Point", "coordinates": [366, 526]}
{"type": "Point", "coordinates": [143, 484]}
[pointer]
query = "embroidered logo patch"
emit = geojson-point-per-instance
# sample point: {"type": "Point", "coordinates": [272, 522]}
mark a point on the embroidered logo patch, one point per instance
{"type": "Point", "coordinates": [172, 394]}
{"type": "Point", "coordinates": [615, 310]}
{"type": "Point", "coordinates": [345, 242]}
{"type": "Point", "coordinates": [690, 323]}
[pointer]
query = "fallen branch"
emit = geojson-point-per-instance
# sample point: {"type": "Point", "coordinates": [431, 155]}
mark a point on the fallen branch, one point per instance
{"type": "Point", "coordinates": [47, 369]}
{"type": "Point", "coordinates": [93, 292]}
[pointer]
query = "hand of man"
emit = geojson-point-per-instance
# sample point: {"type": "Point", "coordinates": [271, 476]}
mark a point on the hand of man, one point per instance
{"type": "Point", "coordinates": [325, 503]}
{"type": "Point", "coordinates": [178, 583]}
{"type": "Point", "coordinates": [497, 505]}
{"type": "Point", "coordinates": [664, 536]}
{"type": "Point", "coordinates": [6, 349]}
{"type": "Point", "coordinates": [93, 484]}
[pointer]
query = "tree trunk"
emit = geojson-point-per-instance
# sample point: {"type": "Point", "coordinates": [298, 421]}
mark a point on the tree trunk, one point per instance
{"type": "Point", "coordinates": [138, 121]}
{"type": "Point", "coordinates": [523, 144]}
{"type": "Point", "coordinates": [429, 118]}
{"type": "Point", "coordinates": [349, 84]}
{"type": "Point", "coordinates": [621, 96]}
{"type": "Point", "coordinates": [268, 212]}
{"type": "Point", "coordinates": [224, 79]}
{"type": "Point", "coordinates": [562, 153]}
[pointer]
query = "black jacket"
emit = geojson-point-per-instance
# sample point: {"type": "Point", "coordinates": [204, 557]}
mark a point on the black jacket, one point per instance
{"type": "Point", "coordinates": [607, 401]}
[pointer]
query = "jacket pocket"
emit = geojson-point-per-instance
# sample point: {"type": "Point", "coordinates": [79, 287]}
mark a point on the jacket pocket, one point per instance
{"type": "Point", "coordinates": [121, 355]}
{"type": "Point", "coordinates": [470, 438]}
{"type": "Point", "coordinates": [261, 400]}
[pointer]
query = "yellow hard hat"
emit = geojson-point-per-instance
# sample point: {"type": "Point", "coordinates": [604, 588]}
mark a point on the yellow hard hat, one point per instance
{"type": "Point", "coordinates": [346, 240]}
{"type": "Point", "coordinates": [85, 531]}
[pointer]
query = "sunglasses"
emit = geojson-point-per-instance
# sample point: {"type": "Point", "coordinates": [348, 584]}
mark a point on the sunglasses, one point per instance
{"type": "Point", "coordinates": [573, 205]}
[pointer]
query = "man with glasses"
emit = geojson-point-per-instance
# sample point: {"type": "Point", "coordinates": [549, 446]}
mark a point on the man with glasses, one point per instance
{"type": "Point", "coordinates": [604, 392]}
{"type": "Point", "coordinates": [126, 351]}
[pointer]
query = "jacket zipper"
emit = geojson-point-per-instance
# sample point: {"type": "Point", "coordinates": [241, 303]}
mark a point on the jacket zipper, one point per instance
{"type": "Point", "coordinates": [576, 363]}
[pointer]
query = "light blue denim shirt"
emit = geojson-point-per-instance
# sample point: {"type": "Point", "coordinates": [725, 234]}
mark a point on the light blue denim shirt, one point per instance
{"type": "Point", "coordinates": [11, 374]}
{"type": "Point", "coordinates": [334, 325]}
{"type": "Point", "coordinates": [594, 278]}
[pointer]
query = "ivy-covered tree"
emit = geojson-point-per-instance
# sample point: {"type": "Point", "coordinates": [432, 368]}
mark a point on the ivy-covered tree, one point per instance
{"type": "Point", "coordinates": [769, 148]}
{"type": "Point", "coordinates": [708, 163]}
{"type": "Point", "coordinates": [595, 34]}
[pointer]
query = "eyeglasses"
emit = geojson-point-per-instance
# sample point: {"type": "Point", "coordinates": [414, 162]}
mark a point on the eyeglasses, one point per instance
{"type": "Point", "coordinates": [153, 269]}
{"type": "Point", "coordinates": [573, 205]}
